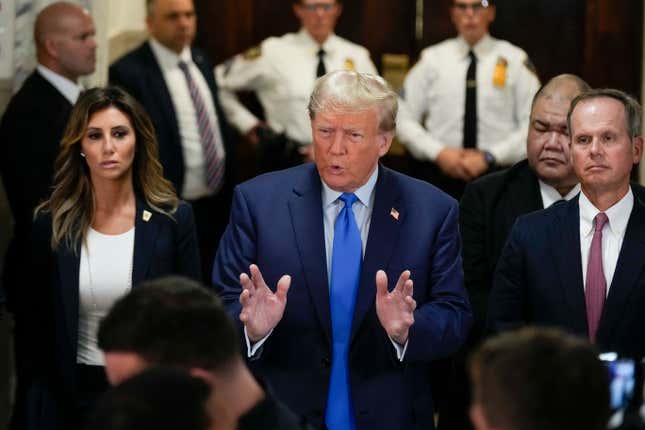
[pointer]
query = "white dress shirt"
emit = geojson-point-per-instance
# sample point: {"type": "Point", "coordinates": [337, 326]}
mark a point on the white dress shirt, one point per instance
{"type": "Point", "coordinates": [195, 185]}
{"type": "Point", "coordinates": [70, 90]}
{"type": "Point", "coordinates": [613, 233]}
{"type": "Point", "coordinates": [332, 206]}
{"type": "Point", "coordinates": [434, 92]}
{"type": "Point", "coordinates": [282, 72]}
{"type": "Point", "coordinates": [550, 195]}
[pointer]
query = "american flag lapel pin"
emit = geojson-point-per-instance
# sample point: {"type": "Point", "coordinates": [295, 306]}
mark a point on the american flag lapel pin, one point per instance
{"type": "Point", "coordinates": [146, 215]}
{"type": "Point", "coordinates": [394, 214]}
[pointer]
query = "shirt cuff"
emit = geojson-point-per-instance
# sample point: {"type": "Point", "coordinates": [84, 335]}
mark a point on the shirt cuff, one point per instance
{"type": "Point", "coordinates": [400, 349]}
{"type": "Point", "coordinates": [253, 349]}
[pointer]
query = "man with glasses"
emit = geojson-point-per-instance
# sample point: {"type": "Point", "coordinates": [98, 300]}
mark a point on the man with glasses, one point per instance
{"type": "Point", "coordinates": [282, 72]}
{"type": "Point", "coordinates": [467, 102]}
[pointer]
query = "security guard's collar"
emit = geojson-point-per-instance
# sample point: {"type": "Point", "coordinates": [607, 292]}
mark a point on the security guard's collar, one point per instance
{"type": "Point", "coordinates": [328, 45]}
{"type": "Point", "coordinates": [483, 47]}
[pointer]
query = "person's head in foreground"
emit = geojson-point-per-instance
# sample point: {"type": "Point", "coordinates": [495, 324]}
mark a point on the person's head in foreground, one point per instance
{"type": "Point", "coordinates": [538, 379]}
{"type": "Point", "coordinates": [157, 398]}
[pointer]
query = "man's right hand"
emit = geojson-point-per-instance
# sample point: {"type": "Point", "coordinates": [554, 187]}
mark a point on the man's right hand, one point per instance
{"type": "Point", "coordinates": [449, 161]}
{"type": "Point", "coordinates": [262, 309]}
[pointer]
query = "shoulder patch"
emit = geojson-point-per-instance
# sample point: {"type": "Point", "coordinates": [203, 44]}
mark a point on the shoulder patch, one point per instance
{"type": "Point", "coordinates": [529, 65]}
{"type": "Point", "coordinates": [252, 53]}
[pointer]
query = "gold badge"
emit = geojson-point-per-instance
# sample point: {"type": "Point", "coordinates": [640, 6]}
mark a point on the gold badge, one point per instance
{"type": "Point", "coordinates": [252, 53]}
{"type": "Point", "coordinates": [499, 74]}
{"type": "Point", "coordinates": [349, 65]}
{"type": "Point", "coordinates": [146, 215]}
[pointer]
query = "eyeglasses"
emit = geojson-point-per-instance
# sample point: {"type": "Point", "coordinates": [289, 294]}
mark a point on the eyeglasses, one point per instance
{"type": "Point", "coordinates": [325, 7]}
{"type": "Point", "coordinates": [476, 7]}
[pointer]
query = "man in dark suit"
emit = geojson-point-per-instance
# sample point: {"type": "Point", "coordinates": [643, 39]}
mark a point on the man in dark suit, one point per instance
{"type": "Point", "coordinates": [36, 116]}
{"type": "Point", "coordinates": [579, 265]}
{"type": "Point", "coordinates": [176, 85]}
{"type": "Point", "coordinates": [345, 338]}
{"type": "Point", "coordinates": [490, 205]}
{"type": "Point", "coordinates": [30, 133]}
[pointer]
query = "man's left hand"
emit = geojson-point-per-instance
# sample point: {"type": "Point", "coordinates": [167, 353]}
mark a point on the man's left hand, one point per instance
{"type": "Point", "coordinates": [395, 310]}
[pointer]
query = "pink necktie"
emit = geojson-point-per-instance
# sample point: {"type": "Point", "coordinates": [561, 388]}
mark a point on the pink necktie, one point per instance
{"type": "Point", "coordinates": [596, 286]}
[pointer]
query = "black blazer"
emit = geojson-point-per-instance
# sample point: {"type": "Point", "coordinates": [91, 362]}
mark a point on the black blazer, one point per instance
{"type": "Point", "coordinates": [30, 134]}
{"type": "Point", "coordinates": [139, 74]}
{"type": "Point", "coordinates": [162, 246]}
{"type": "Point", "coordinates": [489, 207]}
{"type": "Point", "coordinates": [539, 279]}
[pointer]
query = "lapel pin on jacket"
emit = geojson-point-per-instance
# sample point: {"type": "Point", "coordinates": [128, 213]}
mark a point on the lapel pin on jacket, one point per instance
{"type": "Point", "coordinates": [146, 215]}
{"type": "Point", "coordinates": [394, 214]}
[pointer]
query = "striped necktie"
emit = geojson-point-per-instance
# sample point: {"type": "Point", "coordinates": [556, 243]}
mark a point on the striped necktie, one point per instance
{"type": "Point", "coordinates": [210, 135]}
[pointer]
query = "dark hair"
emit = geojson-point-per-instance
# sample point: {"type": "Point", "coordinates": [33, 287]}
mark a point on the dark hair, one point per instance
{"type": "Point", "coordinates": [72, 200]}
{"type": "Point", "coordinates": [536, 379]}
{"type": "Point", "coordinates": [157, 398]}
{"type": "Point", "coordinates": [632, 107]}
{"type": "Point", "coordinates": [171, 321]}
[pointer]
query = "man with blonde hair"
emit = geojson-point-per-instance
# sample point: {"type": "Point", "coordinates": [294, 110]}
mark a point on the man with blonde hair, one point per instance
{"type": "Point", "coordinates": [346, 275]}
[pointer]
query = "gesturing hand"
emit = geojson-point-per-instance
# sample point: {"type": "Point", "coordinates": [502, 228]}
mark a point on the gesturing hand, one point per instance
{"type": "Point", "coordinates": [262, 309]}
{"type": "Point", "coordinates": [395, 310]}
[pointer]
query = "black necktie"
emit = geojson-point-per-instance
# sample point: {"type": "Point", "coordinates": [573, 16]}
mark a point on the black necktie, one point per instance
{"type": "Point", "coordinates": [320, 71]}
{"type": "Point", "coordinates": [470, 112]}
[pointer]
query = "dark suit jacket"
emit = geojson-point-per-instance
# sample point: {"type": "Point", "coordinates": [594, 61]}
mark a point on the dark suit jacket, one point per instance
{"type": "Point", "coordinates": [277, 222]}
{"type": "Point", "coordinates": [539, 279]}
{"type": "Point", "coordinates": [139, 74]}
{"type": "Point", "coordinates": [489, 207]}
{"type": "Point", "coordinates": [162, 246]}
{"type": "Point", "coordinates": [30, 134]}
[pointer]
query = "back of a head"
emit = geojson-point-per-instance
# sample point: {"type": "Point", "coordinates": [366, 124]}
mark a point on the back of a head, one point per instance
{"type": "Point", "coordinates": [540, 379]}
{"type": "Point", "coordinates": [157, 398]}
{"type": "Point", "coordinates": [171, 321]}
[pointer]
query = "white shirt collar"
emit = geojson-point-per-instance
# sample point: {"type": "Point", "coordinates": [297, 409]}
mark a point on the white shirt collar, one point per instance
{"type": "Point", "coordinates": [618, 214]}
{"type": "Point", "coordinates": [167, 58]}
{"type": "Point", "coordinates": [365, 193]}
{"type": "Point", "coordinates": [550, 195]}
{"type": "Point", "coordinates": [328, 44]}
{"type": "Point", "coordinates": [481, 48]}
{"type": "Point", "coordinates": [70, 90]}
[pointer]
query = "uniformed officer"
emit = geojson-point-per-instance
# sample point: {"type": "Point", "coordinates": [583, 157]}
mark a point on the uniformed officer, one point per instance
{"type": "Point", "coordinates": [473, 94]}
{"type": "Point", "coordinates": [282, 72]}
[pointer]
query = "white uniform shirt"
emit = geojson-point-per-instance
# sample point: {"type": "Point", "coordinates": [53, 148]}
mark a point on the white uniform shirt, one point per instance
{"type": "Point", "coordinates": [195, 185]}
{"type": "Point", "coordinates": [434, 92]}
{"type": "Point", "coordinates": [282, 74]}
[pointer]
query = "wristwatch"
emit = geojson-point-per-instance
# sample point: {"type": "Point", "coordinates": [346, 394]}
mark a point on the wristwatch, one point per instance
{"type": "Point", "coordinates": [489, 158]}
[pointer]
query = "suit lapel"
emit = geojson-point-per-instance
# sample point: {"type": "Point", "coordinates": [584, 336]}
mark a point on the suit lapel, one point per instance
{"type": "Point", "coordinates": [68, 270]}
{"type": "Point", "coordinates": [305, 207]}
{"type": "Point", "coordinates": [565, 240]}
{"type": "Point", "coordinates": [383, 234]}
{"type": "Point", "coordinates": [628, 268]}
{"type": "Point", "coordinates": [146, 229]}
{"type": "Point", "coordinates": [158, 86]}
{"type": "Point", "coordinates": [526, 193]}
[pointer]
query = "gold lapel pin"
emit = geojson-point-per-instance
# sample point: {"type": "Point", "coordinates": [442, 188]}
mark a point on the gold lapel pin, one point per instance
{"type": "Point", "coordinates": [394, 214]}
{"type": "Point", "coordinates": [146, 215]}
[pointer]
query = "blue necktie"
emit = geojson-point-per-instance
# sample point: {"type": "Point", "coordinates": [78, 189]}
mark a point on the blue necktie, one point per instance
{"type": "Point", "coordinates": [345, 274]}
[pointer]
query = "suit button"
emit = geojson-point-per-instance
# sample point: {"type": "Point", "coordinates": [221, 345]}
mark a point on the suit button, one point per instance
{"type": "Point", "coordinates": [325, 362]}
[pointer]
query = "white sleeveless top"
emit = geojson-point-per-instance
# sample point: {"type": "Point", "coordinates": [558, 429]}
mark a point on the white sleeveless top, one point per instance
{"type": "Point", "coordinates": [105, 275]}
